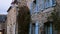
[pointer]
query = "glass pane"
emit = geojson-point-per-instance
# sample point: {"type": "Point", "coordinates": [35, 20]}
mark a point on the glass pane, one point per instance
{"type": "Point", "coordinates": [54, 2]}
{"type": "Point", "coordinates": [50, 28]}
{"type": "Point", "coordinates": [46, 3]}
{"type": "Point", "coordinates": [41, 5]}
{"type": "Point", "coordinates": [30, 29]}
{"type": "Point", "coordinates": [33, 28]}
{"type": "Point", "coordinates": [36, 28]}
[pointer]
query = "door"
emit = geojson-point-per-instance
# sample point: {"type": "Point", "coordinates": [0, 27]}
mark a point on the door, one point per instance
{"type": "Point", "coordinates": [2, 31]}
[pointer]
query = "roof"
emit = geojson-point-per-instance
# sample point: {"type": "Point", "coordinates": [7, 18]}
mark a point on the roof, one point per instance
{"type": "Point", "coordinates": [15, 1]}
{"type": "Point", "coordinates": [9, 8]}
{"type": "Point", "coordinates": [3, 18]}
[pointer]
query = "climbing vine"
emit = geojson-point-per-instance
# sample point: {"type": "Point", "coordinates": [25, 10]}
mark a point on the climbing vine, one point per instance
{"type": "Point", "coordinates": [23, 20]}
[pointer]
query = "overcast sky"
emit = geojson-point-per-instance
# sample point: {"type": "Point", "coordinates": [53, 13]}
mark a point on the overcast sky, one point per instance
{"type": "Point", "coordinates": [4, 5]}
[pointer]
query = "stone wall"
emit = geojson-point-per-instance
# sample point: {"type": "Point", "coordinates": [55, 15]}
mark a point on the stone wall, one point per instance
{"type": "Point", "coordinates": [11, 21]}
{"type": "Point", "coordinates": [42, 16]}
{"type": "Point", "coordinates": [2, 26]}
{"type": "Point", "coordinates": [11, 17]}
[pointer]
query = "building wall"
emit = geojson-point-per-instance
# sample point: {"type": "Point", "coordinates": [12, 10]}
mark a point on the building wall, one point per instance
{"type": "Point", "coordinates": [2, 26]}
{"type": "Point", "coordinates": [12, 25]}
{"type": "Point", "coordinates": [22, 3]}
{"type": "Point", "coordinates": [58, 10]}
{"type": "Point", "coordinates": [40, 16]}
{"type": "Point", "coordinates": [2, 23]}
{"type": "Point", "coordinates": [37, 14]}
{"type": "Point", "coordinates": [11, 21]}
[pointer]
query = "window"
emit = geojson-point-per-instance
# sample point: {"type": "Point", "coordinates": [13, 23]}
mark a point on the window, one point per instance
{"type": "Point", "coordinates": [49, 3]}
{"type": "Point", "coordinates": [33, 28]}
{"type": "Point", "coordinates": [48, 28]}
{"type": "Point", "coordinates": [46, 3]}
{"type": "Point", "coordinates": [37, 28]}
{"type": "Point", "coordinates": [53, 2]}
{"type": "Point", "coordinates": [40, 5]}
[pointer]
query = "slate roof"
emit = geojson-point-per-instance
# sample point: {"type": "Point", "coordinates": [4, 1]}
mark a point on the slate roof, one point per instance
{"type": "Point", "coordinates": [3, 18]}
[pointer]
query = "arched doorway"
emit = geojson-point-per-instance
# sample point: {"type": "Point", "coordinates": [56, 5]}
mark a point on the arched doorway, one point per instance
{"type": "Point", "coordinates": [2, 31]}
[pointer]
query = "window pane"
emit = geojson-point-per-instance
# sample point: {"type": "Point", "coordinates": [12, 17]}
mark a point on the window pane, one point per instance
{"type": "Point", "coordinates": [50, 3]}
{"type": "Point", "coordinates": [53, 2]}
{"type": "Point", "coordinates": [30, 28]}
{"type": "Point", "coordinates": [50, 28]}
{"type": "Point", "coordinates": [46, 3]}
{"type": "Point", "coordinates": [41, 5]}
{"type": "Point", "coordinates": [36, 28]}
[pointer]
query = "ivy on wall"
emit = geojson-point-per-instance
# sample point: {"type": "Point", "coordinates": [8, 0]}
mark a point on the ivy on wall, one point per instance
{"type": "Point", "coordinates": [23, 20]}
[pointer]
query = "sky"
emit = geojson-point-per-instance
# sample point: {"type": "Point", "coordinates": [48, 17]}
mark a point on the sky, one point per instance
{"type": "Point", "coordinates": [4, 5]}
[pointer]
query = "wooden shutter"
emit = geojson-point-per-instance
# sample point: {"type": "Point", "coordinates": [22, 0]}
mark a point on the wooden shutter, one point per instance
{"type": "Point", "coordinates": [50, 2]}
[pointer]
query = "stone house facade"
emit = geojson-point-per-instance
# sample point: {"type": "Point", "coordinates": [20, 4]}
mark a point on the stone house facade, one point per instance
{"type": "Point", "coordinates": [11, 20]}
{"type": "Point", "coordinates": [12, 25]}
{"type": "Point", "coordinates": [39, 9]}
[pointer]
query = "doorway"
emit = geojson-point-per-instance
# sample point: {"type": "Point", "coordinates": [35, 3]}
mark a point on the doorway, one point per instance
{"type": "Point", "coordinates": [2, 31]}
